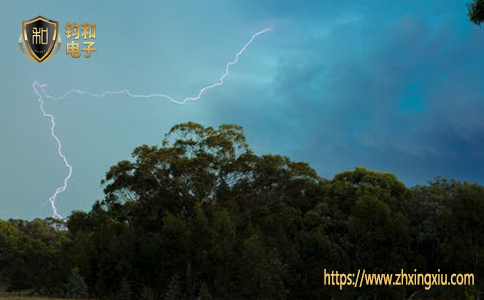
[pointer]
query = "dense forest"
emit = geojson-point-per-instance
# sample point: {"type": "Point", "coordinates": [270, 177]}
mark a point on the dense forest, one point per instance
{"type": "Point", "coordinates": [203, 217]}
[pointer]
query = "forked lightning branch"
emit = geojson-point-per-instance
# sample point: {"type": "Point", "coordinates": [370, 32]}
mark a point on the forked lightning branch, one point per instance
{"type": "Point", "coordinates": [43, 95]}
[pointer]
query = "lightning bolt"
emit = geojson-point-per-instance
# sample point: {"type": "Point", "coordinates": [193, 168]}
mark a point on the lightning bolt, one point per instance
{"type": "Point", "coordinates": [39, 89]}
{"type": "Point", "coordinates": [61, 189]}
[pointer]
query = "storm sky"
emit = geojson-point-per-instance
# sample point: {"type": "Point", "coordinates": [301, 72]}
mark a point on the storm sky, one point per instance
{"type": "Point", "coordinates": [392, 86]}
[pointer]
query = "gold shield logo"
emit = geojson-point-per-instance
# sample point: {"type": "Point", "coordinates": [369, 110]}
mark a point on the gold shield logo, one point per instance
{"type": "Point", "coordinates": [39, 36]}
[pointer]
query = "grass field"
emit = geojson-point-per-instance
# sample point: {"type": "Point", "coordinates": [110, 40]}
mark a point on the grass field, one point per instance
{"type": "Point", "coordinates": [4, 295]}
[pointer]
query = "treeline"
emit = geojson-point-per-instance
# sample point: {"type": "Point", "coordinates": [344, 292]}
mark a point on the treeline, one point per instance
{"type": "Point", "coordinates": [203, 217]}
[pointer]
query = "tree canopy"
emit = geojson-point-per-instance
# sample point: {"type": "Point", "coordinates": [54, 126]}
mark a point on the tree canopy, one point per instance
{"type": "Point", "coordinates": [202, 216]}
{"type": "Point", "coordinates": [476, 11]}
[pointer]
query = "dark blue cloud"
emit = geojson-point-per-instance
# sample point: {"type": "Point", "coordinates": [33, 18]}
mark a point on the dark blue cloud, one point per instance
{"type": "Point", "coordinates": [397, 89]}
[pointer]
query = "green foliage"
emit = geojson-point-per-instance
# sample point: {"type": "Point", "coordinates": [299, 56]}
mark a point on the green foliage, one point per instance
{"type": "Point", "coordinates": [125, 292]}
{"type": "Point", "coordinates": [203, 217]}
{"type": "Point", "coordinates": [76, 286]}
{"type": "Point", "coordinates": [204, 293]}
{"type": "Point", "coordinates": [174, 291]}
{"type": "Point", "coordinates": [476, 11]}
{"type": "Point", "coordinates": [147, 293]}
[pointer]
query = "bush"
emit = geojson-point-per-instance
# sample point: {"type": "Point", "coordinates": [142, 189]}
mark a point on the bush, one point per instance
{"type": "Point", "coordinates": [76, 287]}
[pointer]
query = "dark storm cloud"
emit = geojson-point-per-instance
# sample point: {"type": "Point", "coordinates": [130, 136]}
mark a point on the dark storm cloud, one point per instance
{"type": "Point", "coordinates": [402, 95]}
